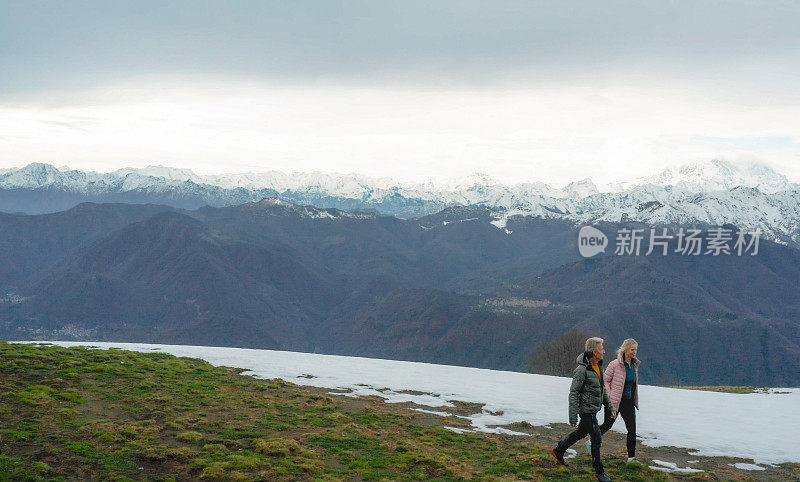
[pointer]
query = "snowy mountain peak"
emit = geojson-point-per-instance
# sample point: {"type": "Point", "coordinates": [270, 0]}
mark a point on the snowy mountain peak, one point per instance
{"type": "Point", "coordinates": [33, 175]}
{"type": "Point", "coordinates": [170, 173]}
{"type": "Point", "coordinates": [40, 168]}
{"type": "Point", "coordinates": [580, 189]}
{"type": "Point", "coordinates": [717, 175]}
{"type": "Point", "coordinates": [467, 182]}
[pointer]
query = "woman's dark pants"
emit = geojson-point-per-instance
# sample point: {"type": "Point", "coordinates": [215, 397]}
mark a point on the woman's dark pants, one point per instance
{"type": "Point", "coordinates": [628, 412]}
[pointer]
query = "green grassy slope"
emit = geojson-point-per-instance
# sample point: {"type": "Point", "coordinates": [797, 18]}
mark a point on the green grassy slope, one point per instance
{"type": "Point", "coordinates": [80, 414]}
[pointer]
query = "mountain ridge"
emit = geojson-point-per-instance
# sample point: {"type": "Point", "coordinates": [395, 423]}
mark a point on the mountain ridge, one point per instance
{"type": "Point", "coordinates": [752, 195]}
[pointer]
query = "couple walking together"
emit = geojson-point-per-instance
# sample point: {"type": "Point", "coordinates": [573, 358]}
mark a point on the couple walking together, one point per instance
{"type": "Point", "coordinates": [616, 389]}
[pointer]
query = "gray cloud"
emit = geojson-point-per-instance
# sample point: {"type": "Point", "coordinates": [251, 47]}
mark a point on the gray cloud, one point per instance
{"type": "Point", "coordinates": [82, 44]}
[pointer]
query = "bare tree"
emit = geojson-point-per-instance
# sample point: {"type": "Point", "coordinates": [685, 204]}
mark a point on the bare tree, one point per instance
{"type": "Point", "coordinates": [558, 356]}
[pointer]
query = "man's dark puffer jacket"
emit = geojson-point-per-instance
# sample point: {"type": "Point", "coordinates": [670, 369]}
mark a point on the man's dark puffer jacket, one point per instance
{"type": "Point", "coordinates": [587, 392]}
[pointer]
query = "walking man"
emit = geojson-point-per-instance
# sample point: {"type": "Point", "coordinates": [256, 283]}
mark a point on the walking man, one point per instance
{"type": "Point", "coordinates": [586, 394]}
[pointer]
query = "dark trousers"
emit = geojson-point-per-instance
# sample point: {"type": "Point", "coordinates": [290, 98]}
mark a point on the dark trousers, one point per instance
{"type": "Point", "coordinates": [628, 412]}
{"type": "Point", "coordinates": [587, 425]}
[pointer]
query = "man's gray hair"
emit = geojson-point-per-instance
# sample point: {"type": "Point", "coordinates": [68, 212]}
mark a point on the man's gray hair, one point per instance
{"type": "Point", "coordinates": [592, 344]}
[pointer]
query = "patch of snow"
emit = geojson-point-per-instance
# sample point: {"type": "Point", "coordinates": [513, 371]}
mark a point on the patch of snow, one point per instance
{"type": "Point", "coordinates": [445, 223]}
{"type": "Point", "coordinates": [744, 466]}
{"type": "Point", "coordinates": [320, 214]}
{"type": "Point", "coordinates": [777, 391]}
{"type": "Point", "coordinates": [505, 431]}
{"type": "Point", "coordinates": [434, 412]}
{"type": "Point", "coordinates": [671, 467]}
{"type": "Point", "coordinates": [390, 396]}
{"type": "Point", "coordinates": [500, 223]}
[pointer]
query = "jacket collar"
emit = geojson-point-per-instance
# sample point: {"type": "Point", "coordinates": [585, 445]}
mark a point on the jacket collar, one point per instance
{"type": "Point", "coordinates": [634, 361]}
{"type": "Point", "coordinates": [583, 359]}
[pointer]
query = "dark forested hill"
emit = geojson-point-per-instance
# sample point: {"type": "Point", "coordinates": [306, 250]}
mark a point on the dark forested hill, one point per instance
{"type": "Point", "coordinates": [447, 288]}
{"type": "Point", "coordinates": [30, 244]}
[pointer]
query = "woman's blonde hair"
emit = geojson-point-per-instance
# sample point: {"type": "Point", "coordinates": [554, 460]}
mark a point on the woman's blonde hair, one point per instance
{"type": "Point", "coordinates": [629, 343]}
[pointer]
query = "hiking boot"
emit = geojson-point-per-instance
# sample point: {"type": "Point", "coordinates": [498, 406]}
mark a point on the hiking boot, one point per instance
{"type": "Point", "coordinates": [602, 478]}
{"type": "Point", "coordinates": [632, 460]}
{"type": "Point", "coordinates": [559, 458]}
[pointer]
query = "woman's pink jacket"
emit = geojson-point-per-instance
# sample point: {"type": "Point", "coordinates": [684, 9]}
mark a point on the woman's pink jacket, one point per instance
{"type": "Point", "coordinates": [614, 377]}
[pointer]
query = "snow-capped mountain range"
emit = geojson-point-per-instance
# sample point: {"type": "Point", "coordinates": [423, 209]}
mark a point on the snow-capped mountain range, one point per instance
{"type": "Point", "coordinates": [749, 195]}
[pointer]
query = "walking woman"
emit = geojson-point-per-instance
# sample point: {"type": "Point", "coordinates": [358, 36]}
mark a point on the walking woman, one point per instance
{"type": "Point", "coordinates": [622, 383]}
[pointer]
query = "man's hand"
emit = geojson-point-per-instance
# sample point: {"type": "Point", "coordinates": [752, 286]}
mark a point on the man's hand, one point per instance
{"type": "Point", "coordinates": [574, 424]}
{"type": "Point", "coordinates": [613, 414]}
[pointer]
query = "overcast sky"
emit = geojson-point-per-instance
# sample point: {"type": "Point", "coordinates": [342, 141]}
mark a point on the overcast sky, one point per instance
{"type": "Point", "coordinates": [521, 90]}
